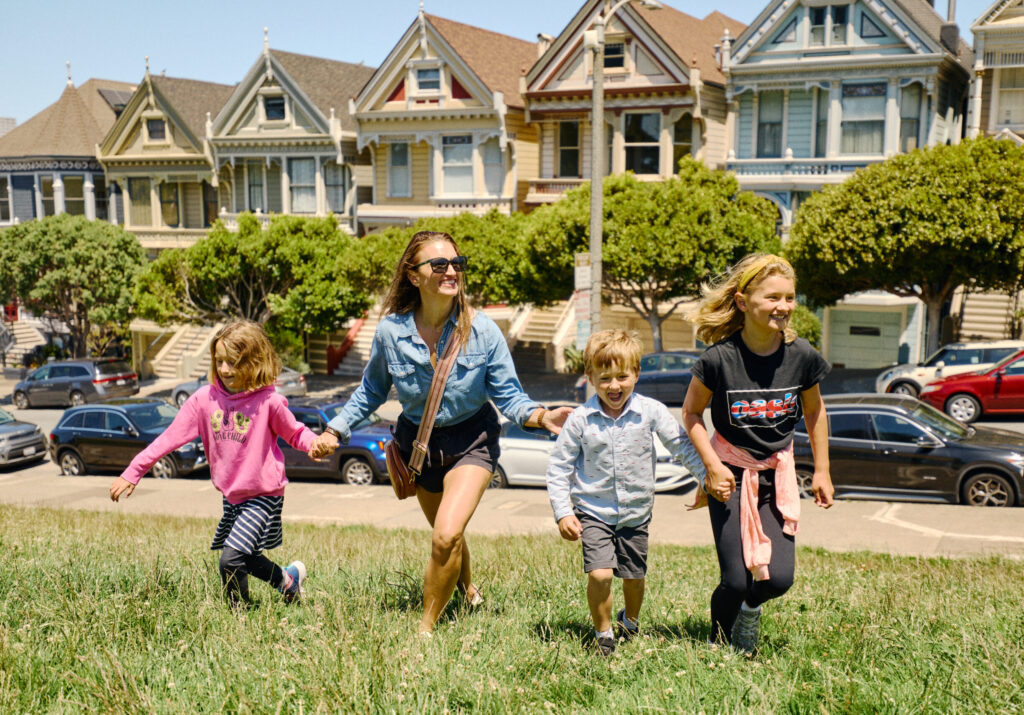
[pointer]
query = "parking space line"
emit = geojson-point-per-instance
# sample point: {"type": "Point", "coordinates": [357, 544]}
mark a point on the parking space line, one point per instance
{"type": "Point", "coordinates": [887, 515]}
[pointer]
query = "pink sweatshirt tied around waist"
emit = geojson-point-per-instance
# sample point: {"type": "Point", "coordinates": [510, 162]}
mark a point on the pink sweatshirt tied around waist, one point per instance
{"type": "Point", "coordinates": [757, 547]}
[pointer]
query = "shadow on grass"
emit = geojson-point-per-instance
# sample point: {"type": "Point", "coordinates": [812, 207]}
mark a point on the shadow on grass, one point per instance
{"type": "Point", "coordinates": [691, 629]}
{"type": "Point", "coordinates": [402, 591]}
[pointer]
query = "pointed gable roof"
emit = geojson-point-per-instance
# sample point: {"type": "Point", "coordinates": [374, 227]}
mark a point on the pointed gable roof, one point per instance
{"type": "Point", "coordinates": [327, 83]}
{"type": "Point", "coordinates": [498, 60]}
{"type": "Point", "coordinates": [931, 22]}
{"type": "Point", "coordinates": [992, 12]}
{"type": "Point", "coordinates": [71, 126]}
{"type": "Point", "coordinates": [689, 37]}
{"type": "Point", "coordinates": [191, 99]}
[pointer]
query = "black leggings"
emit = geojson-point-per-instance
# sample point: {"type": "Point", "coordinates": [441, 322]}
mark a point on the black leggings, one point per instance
{"type": "Point", "coordinates": [235, 568]}
{"type": "Point", "coordinates": [737, 582]}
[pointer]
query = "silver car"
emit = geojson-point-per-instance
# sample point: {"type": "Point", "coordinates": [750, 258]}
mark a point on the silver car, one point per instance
{"type": "Point", "coordinates": [289, 383]}
{"type": "Point", "coordinates": [75, 382]}
{"type": "Point", "coordinates": [19, 441]}
{"type": "Point", "coordinates": [950, 359]}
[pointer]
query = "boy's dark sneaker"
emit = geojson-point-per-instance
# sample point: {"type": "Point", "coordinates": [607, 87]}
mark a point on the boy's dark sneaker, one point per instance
{"type": "Point", "coordinates": [605, 645]}
{"type": "Point", "coordinates": [296, 574]}
{"type": "Point", "coordinates": [625, 630]}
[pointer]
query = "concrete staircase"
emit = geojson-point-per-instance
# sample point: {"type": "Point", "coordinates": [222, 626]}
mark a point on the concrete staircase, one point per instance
{"type": "Point", "coordinates": [186, 354]}
{"type": "Point", "coordinates": [359, 354]}
{"type": "Point", "coordinates": [540, 340]}
{"type": "Point", "coordinates": [986, 316]}
{"type": "Point", "coordinates": [26, 337]}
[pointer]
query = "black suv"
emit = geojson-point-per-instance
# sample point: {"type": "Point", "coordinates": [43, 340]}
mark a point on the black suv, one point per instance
{"type": "Point", "coordinates": [106, 437]}
{"type": "Point", "coordinates": [75, 382]}
{"type": "Point", "coordinates": [895, 447]}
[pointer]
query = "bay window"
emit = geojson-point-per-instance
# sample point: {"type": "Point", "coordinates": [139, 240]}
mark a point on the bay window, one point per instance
{"type": "Point", "coordinates": [769, 125]}
{"type": "Point", "coordinates": [399, 177]}
{"type": "Point", "coordinates": [457, 164]}
{"type": "Point", "coordinates": [682, 140]}
{"type": "Point", "coordinates": [138, 195]}
{"type": "Point", "coordinates": [569, 149]}
{"type": "Point", "coordinates": [863, 127]}
{"type": "Point", "coordinates": [1011, 96]}
{"type": "Point", "coordinates": [336, 185]}
{"type": "Point", "coordinates": [494, 167]}
{"type": "Point", "coordinates": [46, 190]}
{"type": "Point", "coordinates": [821, 122]}
{"type": "Point", "coordinates": [254, 177]}
{"type": "Point", "coordinates": [99, 192]}
{"type": "Point", "coordinates": [169, 204]}
{"type": "Point", "coordinates": [642, 143]}
{"type": "Point", "coordinates": [910, 117]}
{"type": "Point", "coordinates": [210, 211]}
{"type": "Point", "coordinates": [5, 199]}
{"type": "Point", "coordinates": [302, 181]}
{"type": "Point", "coordinates": [74, 195]}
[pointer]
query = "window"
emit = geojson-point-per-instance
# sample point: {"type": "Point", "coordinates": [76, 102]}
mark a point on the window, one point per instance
{"type": "Point", "coordinates": [1014, 368]}
{"type": "Point", "coordinates": [494, 167]}
{"type": "Point", "coordinates": [399, 178]}
{"type": "Point", "coordinates": [457, 164]}
{"type": "Point", "coordinates": [210, 211]}
{"type": "Point", "coordinates": [95, 419]}
{"type": "Point", "coordinates": [310, 419]}
{"type": "Point", "coordinates": [682, 140]}
{"type": "Point", "coordinates": [75, 420]}
{"type": "Point", "coordinates": [5, 199]}
{"type": "Point", "coordinates": [891, 428]}
{"type": "Point", "coordinates": [868, 28]}
{"type": "Point", "coordinates": [649, 363]}
{"type": "Point", "coordinates": [169, 204]}
{"type": "Point", "coordinates": [614, 55]}
{"type": "Point", "coordinates": [769, 125]}
{"type": "Point", "coordinates": [910, 117]}
{"type": "Point", "coordinates": [274, 108]}
{"type": "Point", "coordinates": [138, 195]}
{"type": "Point", "coordinates": [336, 185]}
{"type": "Point", "coordinates": [968, 356]}
{"type": "Point", "coordinates": [156, 129]}
{"type": "Point", "coordinates": [99, 192]}
{"type": "Point", "coordinates": [569, 149]}
{"type": "Point", "coordinates": [642, 146]}
{"type": "Point", "coordinates": [117, 423]}
{"type": "Point", "coordinates": [818, 25]}
{"type": "Point", "coordinates": [849, 426]}
{"type": "Point", "coordinates": [863, 125]}
{"type": "Point", "coordinates": [821, 122]}
{"type": "Point", "coordinates": [840, 13]}
{"type": "Point", "coordinates": [74, 195]}
{"type": "Point", "coordinates": [254, 173]}
{"type": "Point", "coordinates": [1011, 96]}
{"type": "Point", "coordinates": [428, 80]}
{"type": "Point", "coordinates": [46, 190]}
{"type": "Point", "coordinates": [994, 355]}
{"type": "Point", "coordinates": [302, 180]}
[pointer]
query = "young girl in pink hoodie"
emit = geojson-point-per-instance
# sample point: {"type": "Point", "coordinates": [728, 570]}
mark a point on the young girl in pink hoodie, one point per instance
{"type": "Point", "coordinates": [759, 378]}
{"type": "Point", "coordinates": [239, 417]}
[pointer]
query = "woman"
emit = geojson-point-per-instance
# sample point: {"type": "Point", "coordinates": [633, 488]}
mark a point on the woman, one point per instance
{"type": "Point", "coordinates": [425, 308]}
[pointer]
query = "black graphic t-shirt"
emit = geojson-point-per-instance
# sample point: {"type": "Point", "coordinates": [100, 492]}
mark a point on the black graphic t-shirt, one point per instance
{"type": "Point", "coordinates": [756, 400]}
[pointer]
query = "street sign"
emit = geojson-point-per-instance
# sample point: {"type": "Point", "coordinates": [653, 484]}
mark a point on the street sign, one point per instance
{"type": "Point", "coordinates": [582, 272]}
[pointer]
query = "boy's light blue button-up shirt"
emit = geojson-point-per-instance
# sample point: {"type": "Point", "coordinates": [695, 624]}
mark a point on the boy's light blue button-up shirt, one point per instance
{"type": "Point", "coordinates": [604, 466]}
{"type": "Point", "coordinates": [483, 371]}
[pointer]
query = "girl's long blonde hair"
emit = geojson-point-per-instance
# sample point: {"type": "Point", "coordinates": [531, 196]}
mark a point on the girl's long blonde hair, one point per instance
{"type": "Point", "coordinates": [250, 351]}
{"type": "Point", "coordinates": [717, 315]}
{"type": "Point", "coordinates": [403, 296]}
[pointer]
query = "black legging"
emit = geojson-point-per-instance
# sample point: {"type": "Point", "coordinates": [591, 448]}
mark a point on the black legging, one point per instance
{"type": "Point", "coordinates": [235, 568]}
{"type": "Point", "coordinates": [737, 582]}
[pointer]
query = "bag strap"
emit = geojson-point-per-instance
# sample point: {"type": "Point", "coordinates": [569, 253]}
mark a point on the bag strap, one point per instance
{"type": "Point", "coordinates": [444, 368]}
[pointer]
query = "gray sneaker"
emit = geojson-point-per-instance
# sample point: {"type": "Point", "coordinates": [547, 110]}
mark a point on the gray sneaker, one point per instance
{"type": "Point", "coordinates": [746, 630]}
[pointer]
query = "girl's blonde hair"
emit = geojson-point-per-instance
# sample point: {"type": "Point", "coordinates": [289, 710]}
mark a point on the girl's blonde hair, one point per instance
{"type": "Point", "coordinates": [249, 350]}
{"type": "Point", "coordinates": [403, 296]}
{"type": "Point", "coordinates": [717, 315]}
{"type": "Point", "coordinates": [609, 348]}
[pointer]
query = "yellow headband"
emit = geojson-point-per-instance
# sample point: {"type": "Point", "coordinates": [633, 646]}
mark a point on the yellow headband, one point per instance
{"type": "Point", "coordinates": [759, 265]}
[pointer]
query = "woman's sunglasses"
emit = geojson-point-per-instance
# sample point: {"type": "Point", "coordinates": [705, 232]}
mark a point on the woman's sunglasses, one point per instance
{"type": "Point", "coordinates": [440, 265]}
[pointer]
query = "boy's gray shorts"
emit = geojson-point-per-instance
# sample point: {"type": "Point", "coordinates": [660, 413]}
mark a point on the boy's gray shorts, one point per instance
{"type": "Point", "coordinates": [606, 547]}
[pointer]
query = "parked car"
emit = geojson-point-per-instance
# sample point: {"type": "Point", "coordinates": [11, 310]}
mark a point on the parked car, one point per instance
{"type": "Point", "coordinates": [664, 376]}
{"type": "Point", "coordinates": [996, 390]}
{"type": "Point", "coordinates": [524, 461]}
{"type": "Point", "coordinates": [107, 436]}
{"type": "Point", "coordinates": [951, 359]}
{"type": "Point", "coordinates": [20, 441]}
{"type": "Point", "coordinates": [895, 447]}
{"type": "Point", "coordinates": [289, 383]}
{"type": "Point", "coordinates": [360, 462]}
{"type": "Point", "coordinates": [76, 382]}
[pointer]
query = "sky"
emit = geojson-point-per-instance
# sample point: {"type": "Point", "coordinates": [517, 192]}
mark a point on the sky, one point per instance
{"type": "Point", "coordinates": [219, 40]}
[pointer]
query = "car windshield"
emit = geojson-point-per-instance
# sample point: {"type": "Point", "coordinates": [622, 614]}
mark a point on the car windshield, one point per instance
{"type": "Point", "coordinates": [106, 369]}
{"type": "Point", "coordinates": [152, 417]}
{"type": "Point", "coordinates": [5, 417]}
{"type": "Point", "coordinates": [940, 422]}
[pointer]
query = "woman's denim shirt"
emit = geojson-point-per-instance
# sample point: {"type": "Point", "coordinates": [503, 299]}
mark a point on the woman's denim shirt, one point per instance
{"type": "Point", "coordinates": [483, 371]}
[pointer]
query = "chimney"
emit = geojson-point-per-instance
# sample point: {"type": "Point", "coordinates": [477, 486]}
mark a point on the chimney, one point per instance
{"type": "Point", "coordinates": [544, 41]}
{"type": "Point", "coordinates": [951, 11]}
{"type": "Point", "coordinates": [949, 35]}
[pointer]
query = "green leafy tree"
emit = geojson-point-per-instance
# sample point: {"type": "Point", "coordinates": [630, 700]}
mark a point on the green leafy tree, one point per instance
{"type": "Point", "coordinates": [917, 225]}
{"type": "Point", "coordinates": [75, 271]}
{"type": "Point", "coordinates": [661, 239]}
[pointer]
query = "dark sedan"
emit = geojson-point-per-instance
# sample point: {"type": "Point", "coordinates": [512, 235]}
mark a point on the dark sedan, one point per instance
{"type": "Point", "coordinates": [360, 462]}
{"type": "Point", "coordinates": [106, 437]}
{"type": "Point", "coordinates": [895, 447]}
{"type": "Point", "coordinates": [666, 376]}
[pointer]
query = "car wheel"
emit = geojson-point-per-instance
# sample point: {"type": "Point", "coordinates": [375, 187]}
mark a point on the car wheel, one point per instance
{"type": "Point", "coordinates": [181, 398]}
{"type": "Point", "coordinates": [165, 468]}
{"type": "Point", "coordinates": [357, 472]}
{"type": "Point", "coordinates": [77, 398]}
{"type": "Point", "coordinates": [498, 479]}
{"type": "Point", "coordinates": [804, 478]}
{"type": "Point", "coordinates": [963, 407]}
{"type": "Point", "coordinates": [905, 388]}
{"type": "Point", "coordinates": [987, 490]}
{"type": "Point", "coordinates": [71, 464]}
{"type": "Point", "coordinates": [21, 400]}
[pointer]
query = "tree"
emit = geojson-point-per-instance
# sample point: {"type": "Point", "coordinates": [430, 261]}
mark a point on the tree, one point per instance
{"type": "Point", "coordinates": [75, 271]}
{"type": "Point", "coordinates": [661, 239]}
{"type": "Point", "coordinates": [917, 225]}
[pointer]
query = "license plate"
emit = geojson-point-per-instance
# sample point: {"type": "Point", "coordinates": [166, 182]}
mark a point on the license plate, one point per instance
{"type": "Point", "coordinates": [122, 382]}
{"type": "Point", "coordinates": [29, 451]}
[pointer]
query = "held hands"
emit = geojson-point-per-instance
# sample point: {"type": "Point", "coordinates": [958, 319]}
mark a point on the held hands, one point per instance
{"type": "Point", "coordinates": [323, 446]}
{"type": "Point", "coordinates": [121, 486]}
{"type": "Point", "coordinates": [720, 482]}
{"type": "Point", "coordinates": [821, 485]}
{"type": "Point", "coordinates": [569, 527]}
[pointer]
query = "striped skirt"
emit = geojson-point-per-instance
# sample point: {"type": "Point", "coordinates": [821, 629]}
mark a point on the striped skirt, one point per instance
{"type": "Point", "coordinates": [250, 527]}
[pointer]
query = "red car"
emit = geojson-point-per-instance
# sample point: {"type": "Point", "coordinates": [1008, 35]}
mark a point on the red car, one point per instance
{"type": "Point", "coordinates": [995, 390]}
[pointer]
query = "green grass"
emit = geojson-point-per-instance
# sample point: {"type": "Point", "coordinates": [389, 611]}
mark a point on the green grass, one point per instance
{"type": "Point", "coordinates": [122, 613]}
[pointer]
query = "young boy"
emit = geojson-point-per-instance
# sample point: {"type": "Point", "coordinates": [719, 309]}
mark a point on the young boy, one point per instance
{"type": "Point", "coordinates": [601, 479]}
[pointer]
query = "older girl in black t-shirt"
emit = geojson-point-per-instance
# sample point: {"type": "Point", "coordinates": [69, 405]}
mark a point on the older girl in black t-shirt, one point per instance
{"type": "Point", "coordinates": [758, 378]}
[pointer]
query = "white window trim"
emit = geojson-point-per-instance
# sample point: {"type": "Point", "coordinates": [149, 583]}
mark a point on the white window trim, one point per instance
{"type": "Point", "coordinates": [475, 161]}
{"type": "Point", "coordinates": [627, 54]}
{"type": "Point", "coordinates": [578, 147]}
{"type": "Point", "coordinates": [146, 139]}
{"type": "Point", "coordinates": [273, 93]}
{"type": "Point", "coordinates": [317, 180]}
{"type": "Point", "coordinates": [656, 143]}
{"type": "Point", "coordinates": [414, 92]}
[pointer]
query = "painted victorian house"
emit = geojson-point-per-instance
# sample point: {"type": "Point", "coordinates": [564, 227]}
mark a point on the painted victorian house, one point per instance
{"type": "Point", "coordinates": [48, 164]}
{"type": "Point", "coordinates": [664, 95]}
{"type": "Point", "coordinates": [285, 141]}
{"type": "Point", "coordinates": [818, 89]}
{"type": "Point", "coordinates": [997, 95]}
{"type": "Point", "coordinates": [444, 121]}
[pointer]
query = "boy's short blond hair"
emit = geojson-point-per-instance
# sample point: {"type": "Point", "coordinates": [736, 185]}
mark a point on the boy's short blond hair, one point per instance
{"type": "Point", "coordinates": [612, 348]}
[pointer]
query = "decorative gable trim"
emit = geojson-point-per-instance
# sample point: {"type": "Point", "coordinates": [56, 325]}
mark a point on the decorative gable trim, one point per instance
{"type": "Point", "coordinates": [147, 103]}
{"type": "Point", "coordinates": [993, 11]}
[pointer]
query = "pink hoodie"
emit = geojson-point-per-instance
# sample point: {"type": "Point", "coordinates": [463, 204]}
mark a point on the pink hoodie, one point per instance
{"type": "Point", "coordinates": [239, 433]}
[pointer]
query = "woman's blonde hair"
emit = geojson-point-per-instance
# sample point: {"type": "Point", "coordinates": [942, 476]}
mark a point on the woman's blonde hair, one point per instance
{"type": "Point", "coordinates": [717, 316]}
{"type": "Point", "coordinates": [403, 296]}
{"type": "Point", "coordinates": [249, 350]}
{"type": "Point", "coordinates": [609, 348]}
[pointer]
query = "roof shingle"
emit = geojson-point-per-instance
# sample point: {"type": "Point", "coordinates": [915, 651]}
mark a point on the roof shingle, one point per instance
{"type": "Point", "coordinates": [328, 83]}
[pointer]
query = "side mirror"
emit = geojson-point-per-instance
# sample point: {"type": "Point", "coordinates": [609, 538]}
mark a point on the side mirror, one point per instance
{"type": "Point", "coordinates": [940, 364]}
{"type": "Point", "coordinates": [926, 441]}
